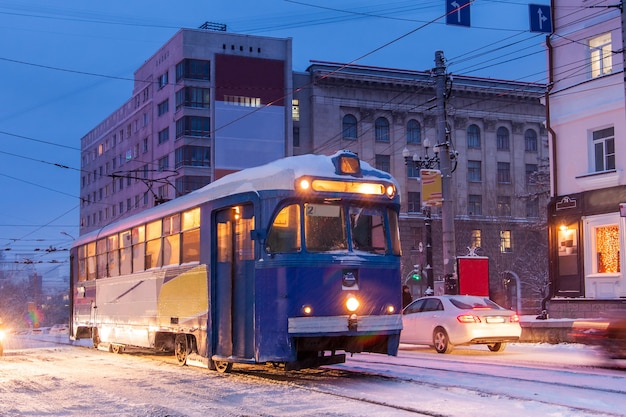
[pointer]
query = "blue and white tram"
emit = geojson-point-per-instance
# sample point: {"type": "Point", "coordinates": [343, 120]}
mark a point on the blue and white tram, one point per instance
{"type": "Point", "coordinates": [296, 262]}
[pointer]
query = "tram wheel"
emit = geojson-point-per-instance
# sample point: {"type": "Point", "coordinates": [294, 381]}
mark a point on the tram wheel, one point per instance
{"type": "Point", "coordinates": [115, 348]}
{"type": "Point", "coordinates": [181, 349]}
{"type": "Point", "coordinates": [223, 367]}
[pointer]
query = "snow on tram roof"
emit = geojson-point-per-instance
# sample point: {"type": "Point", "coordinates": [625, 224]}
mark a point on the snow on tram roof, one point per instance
{"type": "Point", "coordinates": [276, 175]}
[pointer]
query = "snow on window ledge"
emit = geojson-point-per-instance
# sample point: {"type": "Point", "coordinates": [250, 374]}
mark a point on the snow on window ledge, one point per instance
{"type": "Point", "coordinates": [603, 179]}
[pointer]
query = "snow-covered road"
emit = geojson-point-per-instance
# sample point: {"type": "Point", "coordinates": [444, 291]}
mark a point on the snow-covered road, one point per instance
{"type": "Point", "coordinates": [45, 377]}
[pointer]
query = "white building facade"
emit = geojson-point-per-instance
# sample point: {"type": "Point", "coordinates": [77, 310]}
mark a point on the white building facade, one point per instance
{"type": "Point", "coordinates": [587, 126]}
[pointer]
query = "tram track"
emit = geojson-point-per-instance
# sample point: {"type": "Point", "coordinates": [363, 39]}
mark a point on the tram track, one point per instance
{"type": "Point", "coordinates": [443, 378]}
{"type": "Point", "coordinates": [302, 380]}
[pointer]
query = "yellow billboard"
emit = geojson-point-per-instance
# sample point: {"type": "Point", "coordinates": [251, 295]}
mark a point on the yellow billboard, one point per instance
{"type": "Point", "coordinates": [431, 187]}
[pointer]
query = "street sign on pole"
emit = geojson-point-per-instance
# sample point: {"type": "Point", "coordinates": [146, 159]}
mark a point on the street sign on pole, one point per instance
{"type": "Point", "coordinates": [540, 18]}
{"type": "Point", "coordinates": [458, 12]}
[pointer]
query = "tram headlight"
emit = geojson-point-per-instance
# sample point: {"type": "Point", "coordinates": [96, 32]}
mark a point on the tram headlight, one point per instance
{"type": "Point", "coordinates": [2, 335]}
{"type": "Point", "coordinates": [305, 184]}
{"type": "Point", "coordinates": [307, 310]}
{"type": "Point", "coordinates": [391, 191]}
{"type": "Point", "coordinates": [352, 304]}
{"type": "Point", "coordinates": [390, 309]}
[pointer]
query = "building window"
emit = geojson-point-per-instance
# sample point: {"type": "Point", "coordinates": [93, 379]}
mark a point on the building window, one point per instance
{"type": "Point", "coordinates": [193, 126]}
{"type": "Point", "coordinates": [193, 156]}
{"type": "Point", "coordinates": [414, 203]}
{"type": "Point", "coordinates": [504, 206]}
{"type": "Point", "coordinates": [295, 110]}
{"type": "Point", "coordinates": [473, 137]}
{"type": "Point", "coordinates": [604, 149]}
{"type": "Point", "coordinates": [505, 241]}
{"type": "Point", "coordinates": [412, 171]}
{"type": "Point", "coordinates": [189, 183]}
{"type": "Point", "coordinates": [348, 127]}
{"type": "Point", "coordinates": [164, 135]}
{"type": "Point", "coordinates": [532, 208]}
{"type": "Point", "coordinates": [194, 69]}
{"type": "Point", "coordinates": [530, 140]}
{"type": "Point", "coordinates": [296, 137]}
{"type": "Point", "coordinates": [475, 205]}
{"type": "Point", "coordinates": [163, 107]}
{"type": "Point", "coordinates": [164, 163]}
{"type": "Point", "coordinates": [163, 80]}
{"type": "Point", "coordinates": [474, 171]}
{"type": "Point", "coordinates": [144, 147]}
{"type": "Point", "coordinates": [383, 162]}
{"type": "Point", "coordinates": [502, 139]}
{"type": "Point", "coordinates": [600, 55]}
{"type": "Point", "coordinates": [475, 238]}
{"type": "Point", "coordinates": [607, 249]}
{"type": "Point", "coordinates": [504, 173]}
{"type": "Point", "coordinates": [413, 132]}
{"type": "Point", "coordinates": [193, 97]}
{"type": "Point", "coordinates": [381, 127]}
{"type": "Point", "coordinates": [531, 171]}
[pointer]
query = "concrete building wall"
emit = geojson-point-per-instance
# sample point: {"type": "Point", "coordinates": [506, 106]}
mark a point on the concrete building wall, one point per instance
{"type": "Point", "coordinates": [202, 106]}
{"type": "Point", "coordinates": [332, 91]}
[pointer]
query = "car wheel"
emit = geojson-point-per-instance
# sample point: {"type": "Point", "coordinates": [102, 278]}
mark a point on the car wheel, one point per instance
{"type": "Point", "coordinates": [441, 342]}
{"type": "Point", "coordinates": [496, 347]}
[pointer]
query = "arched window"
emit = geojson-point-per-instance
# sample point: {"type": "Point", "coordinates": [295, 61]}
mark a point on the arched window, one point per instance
{"type": "Point", "coordinates": [382, 129]}
{"type": "Point", "coordinates": [502, 138]}
{"type": "Point", "coordinates": [473, 136]}
{"type": "Point", "coordinates": [349, 127]}
{"type": "Point", "coordinates": [530, 140]}
{"type": "Point", "coordinates": [413, 132]}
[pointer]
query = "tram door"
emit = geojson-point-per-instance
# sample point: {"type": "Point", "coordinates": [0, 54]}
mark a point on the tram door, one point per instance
{"type": "Point", "coordinates": [234, 291]}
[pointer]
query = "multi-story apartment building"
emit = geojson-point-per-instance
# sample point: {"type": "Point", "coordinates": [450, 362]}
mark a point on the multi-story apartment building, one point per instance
{"type": "Point", "coordinates": [205, 104]}
{"type": "Point", "coordinates": [587, 124]}
{"type": "Point", "coordinates": [496, 127]}
{"type": "Point", "coordinates": [208, 103]}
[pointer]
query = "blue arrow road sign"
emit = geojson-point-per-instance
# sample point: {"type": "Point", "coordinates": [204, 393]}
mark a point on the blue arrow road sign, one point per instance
{"type": "Point", "coordinates": [458, 12]}
{"type": "Point", "coordinates": [540, 18]}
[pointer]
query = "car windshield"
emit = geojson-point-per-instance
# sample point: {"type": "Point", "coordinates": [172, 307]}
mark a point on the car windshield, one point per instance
{"type": "Point", "coordinates": [474, 303]}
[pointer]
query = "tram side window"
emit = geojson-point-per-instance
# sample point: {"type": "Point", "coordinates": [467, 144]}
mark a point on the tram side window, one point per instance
{"type": "Point", "coordinates": [113, 255]}
{"type": "Point", "coordinates": [284, 233]}
{"type": "Point", "coordinates": [394, 232]}
{"type": "Point", "coordinates": [91, 260]}
{"type": "Point", "coordinates": [138, 237]}
{"type": "Point", "coordinates": [126, 256]}
{"type": "Point", "coordinates": [101, 257]}
{"type": "Point", "coordinates": [368, 230]}
{"type": "Point", "coordinates": [324, 228]}
{"type": "Point", "coordinates": [153, 244]}
{"type": "Point", "coordinates": [82, 263]}
{"type": "Point", "coordinates": [171, 240]}
{"type": "Point", "coordinates": [191, 236]}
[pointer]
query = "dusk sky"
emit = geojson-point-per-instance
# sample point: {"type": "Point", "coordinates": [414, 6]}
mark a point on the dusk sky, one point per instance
{"type": "Point", "coordinates": [68, 64]}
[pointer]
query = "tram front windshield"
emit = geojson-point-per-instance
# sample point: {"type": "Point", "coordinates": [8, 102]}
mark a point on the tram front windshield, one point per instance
{"type": "Point", "coordinates": [321, 227]}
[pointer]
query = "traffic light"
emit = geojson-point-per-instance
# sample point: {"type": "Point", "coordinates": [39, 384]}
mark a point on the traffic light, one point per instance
{"type": "Point", "coordinates": [416, 276]}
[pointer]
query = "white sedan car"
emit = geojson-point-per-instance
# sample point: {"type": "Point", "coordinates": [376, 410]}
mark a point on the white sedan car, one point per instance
{"type": "Point", "coordinates": [447, 320]}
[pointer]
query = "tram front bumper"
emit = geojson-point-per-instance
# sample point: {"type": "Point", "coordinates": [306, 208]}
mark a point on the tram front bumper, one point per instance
{"type": "Point", "coordinates": [344, 325]}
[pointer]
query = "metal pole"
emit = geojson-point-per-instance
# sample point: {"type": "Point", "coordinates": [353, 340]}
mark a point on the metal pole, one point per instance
{"type": "Point", "coordinates": [430, 278]}
{"type": "Point", "coordinates": [447, 205]}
